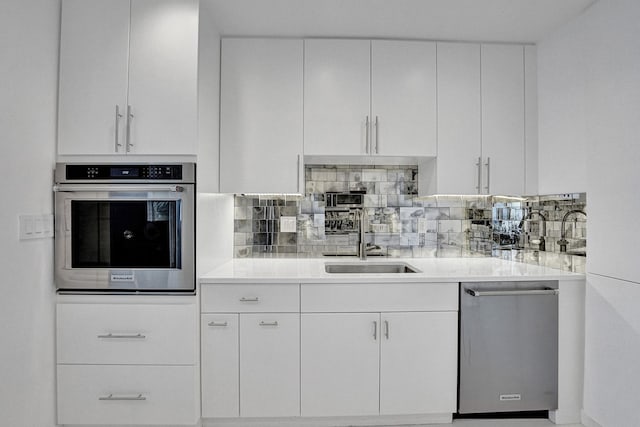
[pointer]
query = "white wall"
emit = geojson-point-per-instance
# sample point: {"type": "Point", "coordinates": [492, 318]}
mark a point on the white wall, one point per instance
{"type": "Point", "coordinates": [29, 32]}
{"type": "Point", "coordinates": [589, 79]}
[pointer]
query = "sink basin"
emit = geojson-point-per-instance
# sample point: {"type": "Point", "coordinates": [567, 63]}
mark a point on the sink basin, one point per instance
{"type": "Point", "coordinates": [365, 268]}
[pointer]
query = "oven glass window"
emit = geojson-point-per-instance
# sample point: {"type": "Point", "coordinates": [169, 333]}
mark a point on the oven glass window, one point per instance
{"type": "Point", "coordinates": [125, 234]}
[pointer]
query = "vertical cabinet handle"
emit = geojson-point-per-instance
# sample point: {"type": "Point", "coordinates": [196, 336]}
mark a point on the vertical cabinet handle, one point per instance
{"type": "Point", "coordinates": [300, 185]}
{"type": "Point", "coordinates": [129, 120]}
{"type": "Point", "coordinates": [488, 164]}
{"type": "Point", "coordinates": [386, 329]}
{"type": "Point", "coordinates": [479, 166]}
{"type": "Point", "coordinates": [117, 136]}
{"type": "Point", "coordinates": [375, 330]}
{"type": "Point", "coordinates": [366, 138]}
{"type": "Point", "coordinates": [377, 136]}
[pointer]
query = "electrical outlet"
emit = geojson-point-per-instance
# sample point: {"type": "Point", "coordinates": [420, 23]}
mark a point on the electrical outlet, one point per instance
{"type": "Point", "coordinates": [288, 224]}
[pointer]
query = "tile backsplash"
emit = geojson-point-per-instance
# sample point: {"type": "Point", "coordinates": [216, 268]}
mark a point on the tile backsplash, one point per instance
{"type": "Point", "coordinates": [401, 224]}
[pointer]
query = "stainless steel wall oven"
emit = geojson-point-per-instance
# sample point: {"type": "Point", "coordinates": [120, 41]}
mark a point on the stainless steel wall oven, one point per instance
{"type": "Point", "coordinates": [125, 228]}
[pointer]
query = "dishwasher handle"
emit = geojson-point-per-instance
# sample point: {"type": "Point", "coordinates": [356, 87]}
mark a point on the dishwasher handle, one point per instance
{"type": "Point", "coordinates": [545, 291]}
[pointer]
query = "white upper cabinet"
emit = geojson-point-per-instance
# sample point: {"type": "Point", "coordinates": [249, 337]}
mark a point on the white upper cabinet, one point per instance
{"type": "Point", "coordinates": [459, 119]}
{"type": "Point", "coordinates": [531, 119]}
{"type": "Point", "coordinates": [261, 137]}
{"type": "Point", "coordinates": [94, 60]}
{"type": "Point", "coordinates": [481, 119]}
{"type": "Point", "coordinates": [128, 77]}
{"type": "Point", "coordinates": [163, 76]}
{"type": "Point", "coordinates": [370, 98]}
{"type": "Point", "coordinates": [337, 83]}
{"type": "Point", "coordinates": [403, 98]}
{"type": "Point", "coordinates": [503, 117]}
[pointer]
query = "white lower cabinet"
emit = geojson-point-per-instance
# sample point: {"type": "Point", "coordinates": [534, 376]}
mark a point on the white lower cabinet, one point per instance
{"type": "Point", "coordinates": [339, 358]}
{"type": "Point", "coordinates": [269, 365]}
{"type": "Point", "coordinates": [386, 363]}
{"type": "Point", "coordinates": [220, 365]}
{"type": "Point", "coordinates": [108, 394]}
{"type": "Point", "coordinates": [127, 360]}
{"type": "Point", "coordinates": [374, 349]}
{"type": "Point", "coordinates": [329, 350]}
{"type": "Point", "coordinates": [418, 362]}
{"type": "Point", "coordinates": [250, 352]}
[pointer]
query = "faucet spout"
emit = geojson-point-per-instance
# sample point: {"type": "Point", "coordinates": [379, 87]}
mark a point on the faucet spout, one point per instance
{"type": "Point", "coordinates": [563, 242]}
{"type": "Point", "coordinates": [541, 241]}
{"type": "Point", "coordinates": [362, 246]}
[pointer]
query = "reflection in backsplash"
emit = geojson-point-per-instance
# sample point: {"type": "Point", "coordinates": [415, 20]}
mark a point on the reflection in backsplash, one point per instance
{"type": "Point", "coordinates": [536, 223]}
{"type": "Point", "coordinates": [399, 223]}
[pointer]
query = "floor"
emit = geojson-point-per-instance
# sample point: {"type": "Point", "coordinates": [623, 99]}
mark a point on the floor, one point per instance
{"type": "Point", "coordinates": [503, 423]}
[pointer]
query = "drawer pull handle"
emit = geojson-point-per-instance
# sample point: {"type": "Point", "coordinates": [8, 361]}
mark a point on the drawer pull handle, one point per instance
{"type": "Point", "coordinates": [269, 323]}
{"type": "Point", "coordinates": [218, 324]}
{"type": "Point", "coordinates": [112, 397]}
{"type": "Point", "coordinates": [121, 336]}
{"type": "Point", "coordinates": [254, 299]}
{"type": "Point", "coordinates": [386, 329]}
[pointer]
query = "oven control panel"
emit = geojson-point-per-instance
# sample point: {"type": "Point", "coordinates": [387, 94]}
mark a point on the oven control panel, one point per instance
{"type": "Point", "coordinates": [123, 172]}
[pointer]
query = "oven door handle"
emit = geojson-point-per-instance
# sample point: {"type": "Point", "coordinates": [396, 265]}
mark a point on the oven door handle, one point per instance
{"type": "Point", "coordinates": [118, 188]}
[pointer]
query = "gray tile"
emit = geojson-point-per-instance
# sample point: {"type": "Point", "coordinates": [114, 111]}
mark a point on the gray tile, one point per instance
{"type": "Point", "coordinates": [411, 213]}
{"type": "Point", "coordinates": [242, 226]}
{"type": "Point", "coordinates": [374, 175]}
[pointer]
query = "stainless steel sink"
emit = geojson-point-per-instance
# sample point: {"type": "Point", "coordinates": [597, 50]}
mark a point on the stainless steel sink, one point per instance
{"type": "Point", "coordinates": [366, 268]}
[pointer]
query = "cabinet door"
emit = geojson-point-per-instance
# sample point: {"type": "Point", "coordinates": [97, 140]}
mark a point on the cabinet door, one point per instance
{"type": "Point", "coordinates": [418, 363]}
{"type": "Point", "coordinates": [340, 362]}
{"type": "Point", "coordinates": [261, 116]}
{"type": "Point", "coordinates": [503, 119]}
{"type": "Point", "coordinates": [403, 98]}
{"type": "Point", "coordinates": [163, 76]}
{"type": "Point", "coordinates": [269, 365]}
{"type": "Point", "coordinates": [94, 56]}
{"type": "Point", "coordinates": [336, 97]}
{"type": "Point", "coordinates": [459, 128]}
{"type": "Point", "coordinates": [220, 368]}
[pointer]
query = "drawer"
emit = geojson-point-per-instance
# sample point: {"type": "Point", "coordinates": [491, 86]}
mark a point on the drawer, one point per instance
{"type": "Point", "coordinates": [164, 395]}
{"type": "Point", "coordinates": [241, 298]}
{"type": "Point", "coordinates": [127, 334]}
{"type": "Point", "coordinates": [356, 297]}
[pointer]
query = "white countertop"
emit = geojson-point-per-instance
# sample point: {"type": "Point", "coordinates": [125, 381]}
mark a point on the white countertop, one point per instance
{"type": "Point", "coordinates": [311, 270]}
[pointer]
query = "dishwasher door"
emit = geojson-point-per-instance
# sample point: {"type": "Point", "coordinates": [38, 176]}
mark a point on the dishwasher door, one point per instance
{"type": "Point", "coordinates": [508, 346]}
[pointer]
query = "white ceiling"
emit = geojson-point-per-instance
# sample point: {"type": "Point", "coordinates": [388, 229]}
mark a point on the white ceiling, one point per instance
{"type": "Point", "coordinates": [470, 20]}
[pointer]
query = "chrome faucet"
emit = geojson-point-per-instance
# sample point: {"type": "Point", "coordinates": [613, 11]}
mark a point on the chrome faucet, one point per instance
{"type": "Point", "coordinates": [541, 242]}
{"type": "Point", "coordinates": [563, 242]}
{"type": "Point", "coordinates": [362, 246]}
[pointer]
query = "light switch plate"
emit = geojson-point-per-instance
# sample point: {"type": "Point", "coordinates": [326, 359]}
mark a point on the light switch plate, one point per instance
{"type": "Point", "coordinates": [36, 226]}
{"type": "Point", "coordinates": [288, 224]}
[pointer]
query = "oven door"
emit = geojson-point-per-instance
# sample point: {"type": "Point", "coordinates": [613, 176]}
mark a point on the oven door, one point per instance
{"type": "Point", "coordinates": [124, 238]}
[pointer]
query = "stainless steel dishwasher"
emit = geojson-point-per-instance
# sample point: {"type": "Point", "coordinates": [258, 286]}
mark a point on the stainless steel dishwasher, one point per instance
{"type": "Point", "coordinates": [508, 346]}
